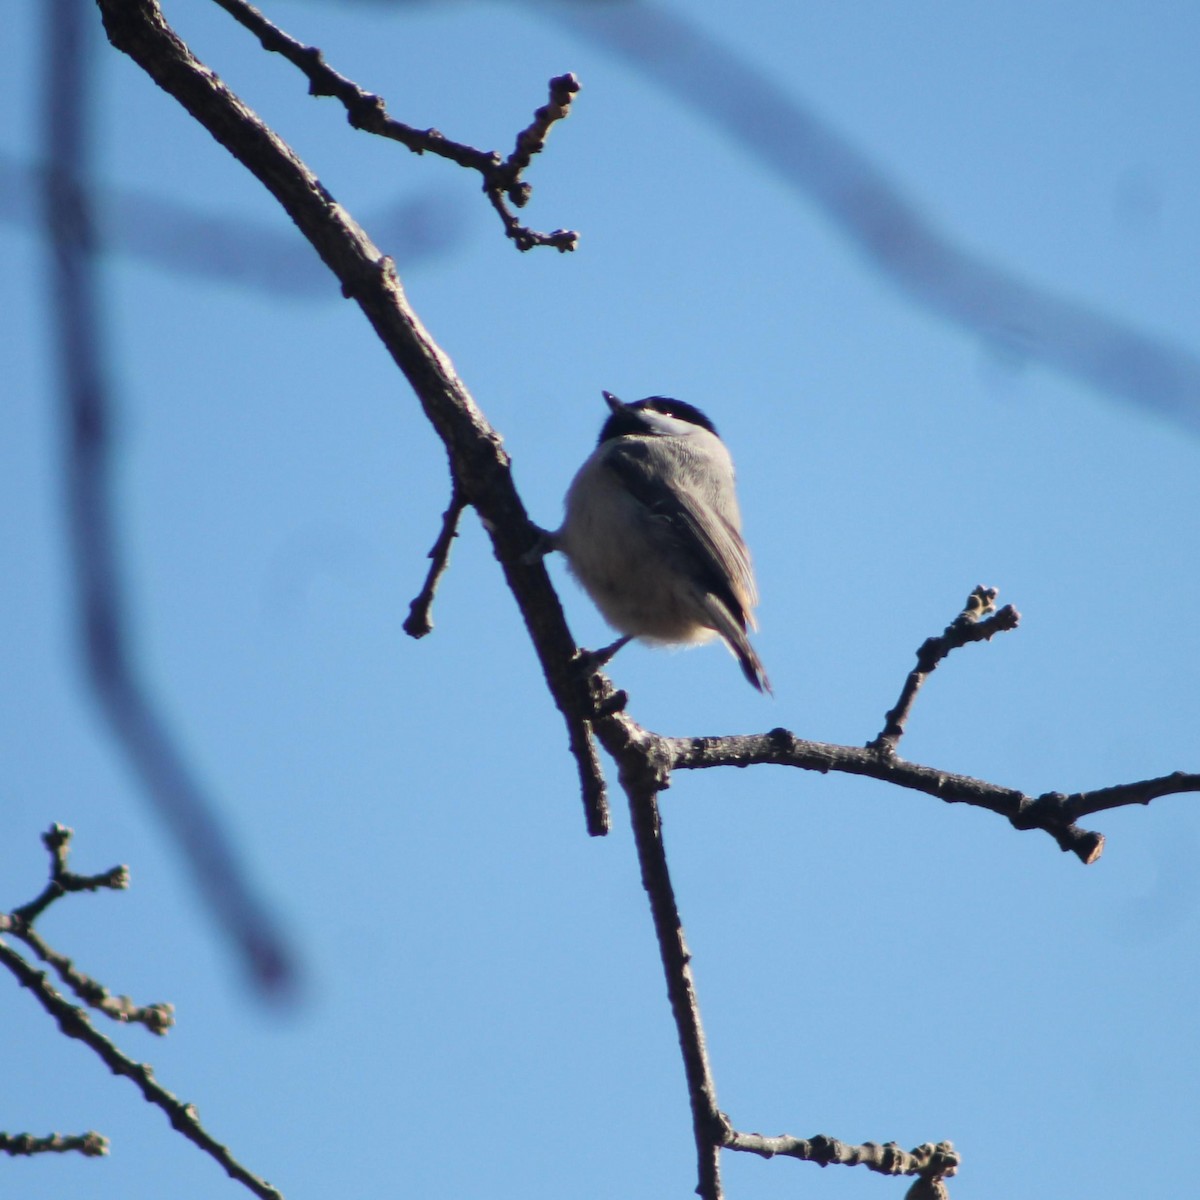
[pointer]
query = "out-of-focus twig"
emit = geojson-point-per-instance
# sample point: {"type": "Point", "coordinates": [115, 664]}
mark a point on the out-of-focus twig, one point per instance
{"type": "Point", "coordinates": [185, 239]}
{"type": "Point", "coordinates": [87, 420]}
{"type": "Point", "coordinates": [1015, 318]}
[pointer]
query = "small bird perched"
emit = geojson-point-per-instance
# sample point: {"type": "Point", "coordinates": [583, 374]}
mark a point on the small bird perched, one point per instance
{"type": "Point", "coordinates": [653, 533]}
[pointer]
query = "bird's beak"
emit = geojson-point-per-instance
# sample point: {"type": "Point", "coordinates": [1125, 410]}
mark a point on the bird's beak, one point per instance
{"type": "Point", "coordinates": [613, 402]}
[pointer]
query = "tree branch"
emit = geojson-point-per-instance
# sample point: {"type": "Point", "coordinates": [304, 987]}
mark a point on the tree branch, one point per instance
{"type": "Point", "coordinates": [928, 1161]}
{"type": "Point", "coordinates": [784, 749]}
{"type": "Point", "coordinates": [57, 840]}
{"type": "Point", "coordinates": [158, 1018]}
{"type": "Point", "coordinates": [481, 465]}
{"type": "Point", "coordinates": [365, 110]}
{"type": "Point", "coordinates": [418, 622]}
{"type": "Point", "coordinates": [90, 1145]}
{"type": "Point", "coordinates": [966, 627]}
{"type": "Point", "coordinates": [74, 1023]}
{"type": "Point", "coordinates": [643, 774]}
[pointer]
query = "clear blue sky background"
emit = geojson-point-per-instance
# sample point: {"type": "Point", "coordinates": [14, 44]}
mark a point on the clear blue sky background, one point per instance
{"type": "Point", "coordinates": [483, 1012]}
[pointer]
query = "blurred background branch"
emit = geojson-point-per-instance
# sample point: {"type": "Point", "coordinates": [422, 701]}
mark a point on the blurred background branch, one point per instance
{"type": "Point", "coordinates": [88, 420]}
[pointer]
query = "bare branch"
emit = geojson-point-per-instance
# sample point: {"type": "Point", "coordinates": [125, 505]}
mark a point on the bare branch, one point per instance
{"type": "Point", "coordinates": [90, 1145]}
{"type": "Point", "coordinates": [418, 622]}
{"type": "Point", "coordinates": [966, 627]}
{"type": "Point", "coordinates": [366, 111]}
{"type": "Point", "coordinates": [1082, 804]}
{"type": "Point", "coordinates": [158, 1018]}
{"type": "Point", "coordinates": [928, 1161]}
{"type": "Point", "coordinates": [591, 775]}
{"type": "Point", "coordinates": [784, 749]}
{"type": "Point", "coordinates": [587, 700]}
{"type": "Point", "coordinates": [57, 840]}
{"type": "Point", "coordinates": [74, 1022]}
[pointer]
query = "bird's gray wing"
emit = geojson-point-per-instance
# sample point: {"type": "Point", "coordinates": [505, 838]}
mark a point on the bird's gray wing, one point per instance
{"type": "Point", "coordinates": [693, 526]}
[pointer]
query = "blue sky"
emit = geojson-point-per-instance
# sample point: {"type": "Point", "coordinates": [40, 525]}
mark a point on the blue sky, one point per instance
{"type": "Point", "coordinates": [482, 1008]}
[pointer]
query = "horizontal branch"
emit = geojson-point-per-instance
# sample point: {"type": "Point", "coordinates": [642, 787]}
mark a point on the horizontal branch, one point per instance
{"type": "Point", "coordinates": [929, 1161]}
{"type": "Point", "coordinates": [782, 748]}
{"type": "Point", "coordinates": [90, 1145]}
{"type": "Point", "coordinates": [1082, 804]}
{"type": "Point", "coordinates": [418, 623]}
{"type": "Point", "coordinates": [480, 463]}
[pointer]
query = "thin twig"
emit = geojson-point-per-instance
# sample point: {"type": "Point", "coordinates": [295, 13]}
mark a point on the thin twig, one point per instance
{"type": "Point", "coordinates": [418, 622]}
{"type": "Point", "coordinates": [592, 788]}
{"type": "Point", "coordinates": [101, 614]}
{"type": "Point", "coordinates": [968, 626]}
{"type": "Point", "coordinates": [158, 1018]}
{"type": "Point", "coordinates": [90, 1145]}
{"type": "Point", "coordinates": [74, 1022]}
{"type": "Point", "coordinates": [929, 1161]}
{"type": "Point", "coordinates": [367, 111]}
{"type": "Point", "coordinates": [1082, 804]}
{"type": "Point", "coordinates": [57, 840]}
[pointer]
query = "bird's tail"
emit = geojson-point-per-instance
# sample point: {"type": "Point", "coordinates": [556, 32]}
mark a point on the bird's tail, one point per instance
{"type": "Point", "coordinates": [751, 664]}
{"type": "Point", "coordinates": [734, 636]}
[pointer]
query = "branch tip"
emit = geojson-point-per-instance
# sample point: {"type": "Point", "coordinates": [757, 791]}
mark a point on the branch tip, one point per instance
{"type": "Point", "coordinates": [978, 622]}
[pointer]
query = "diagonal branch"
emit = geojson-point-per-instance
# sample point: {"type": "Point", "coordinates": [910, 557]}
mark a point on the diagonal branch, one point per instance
{"type": "Point", "coordinates": [157, 1018]}
{"type": "Point", "coordinates": [74, 1023]}
{"type": "Point", "coordinates": [502, 180]}
{"type": "Point", "coordinates": [588, 702]}
{"type": "Point", "coordinates": [1006, 312]}
{"type": "Point", "coordinates": [57, 840]}
{"type": "Point", "coordinates": [968, 626]}
{"type": "Point", "coordinates": [783, 748]}
{"type": "Point", "coordinates": [481, 465]}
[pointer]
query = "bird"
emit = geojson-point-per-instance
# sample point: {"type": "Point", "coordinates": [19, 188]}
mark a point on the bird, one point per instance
{"type": "Point", "coordinates": [652, 531]}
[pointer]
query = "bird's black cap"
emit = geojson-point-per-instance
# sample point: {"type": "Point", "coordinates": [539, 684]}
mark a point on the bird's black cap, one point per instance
{"type": "Point", "coordinates": [627, 418]}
